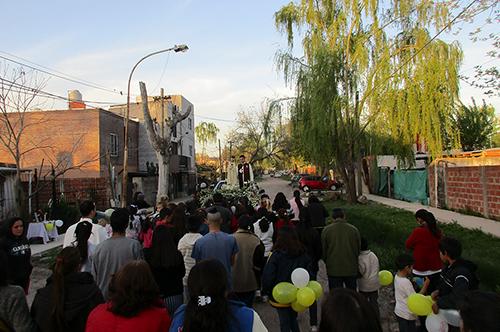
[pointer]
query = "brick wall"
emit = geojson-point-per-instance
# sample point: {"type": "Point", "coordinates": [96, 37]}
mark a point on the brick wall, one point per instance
{"type": "Point", "coordinates": [473, 188]}
{"type": "Point", "coordinates": [75, 191]}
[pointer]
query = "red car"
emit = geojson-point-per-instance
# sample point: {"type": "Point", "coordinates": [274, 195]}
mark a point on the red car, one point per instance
{"type": "Point", "coordinates": [311, 182]}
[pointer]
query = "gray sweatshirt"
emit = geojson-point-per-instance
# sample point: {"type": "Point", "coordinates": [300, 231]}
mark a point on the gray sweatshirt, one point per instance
{"type": "Point", "coordinates": [14, 311]}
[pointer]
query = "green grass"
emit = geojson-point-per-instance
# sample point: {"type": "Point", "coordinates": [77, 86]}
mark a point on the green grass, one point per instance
{"type": "Point", "coordinates": [387, 229]}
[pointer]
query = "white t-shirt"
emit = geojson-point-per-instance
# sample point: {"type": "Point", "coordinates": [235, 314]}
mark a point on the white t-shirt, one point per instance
{"type": "Point", "coordinates": [185, 246]}
{"type": "Point", "coordinates": [98, 235]}
{"type": "Point", "coordinates": [402, 289]}
{"type": "Point", "coordinates": [295, 208]}
{"type": "Point", "coordinates": [265, 237]}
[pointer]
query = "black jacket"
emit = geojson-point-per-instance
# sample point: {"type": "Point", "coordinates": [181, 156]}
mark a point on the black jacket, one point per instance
{"type": "Point", "coordinates": [312, 241]}
{"type": "Point", "coordinates": [318, 214]}
{"type": "Point", "coordinates": [279, 268]}
{"type": "Point", "coordinates": [456, 280]}
{"type": "Point", "coordinates": [81, 296]}
{"type": "Point", "coordinates": [19, 257]}
{"type": "Point", "coordinates": [169, 279]}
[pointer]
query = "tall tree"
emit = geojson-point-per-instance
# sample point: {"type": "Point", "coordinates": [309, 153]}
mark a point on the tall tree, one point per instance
{"type": "Point", "coordinates": [477, 125]}
{"type": "Point", "coordinates": [367, 64]}
{"type": "Point", "coordinates": [206, 132]}
{"type": "Point", "coordinates": [162, 144]}
{"type": "Point", "coordinates": [262, 135]}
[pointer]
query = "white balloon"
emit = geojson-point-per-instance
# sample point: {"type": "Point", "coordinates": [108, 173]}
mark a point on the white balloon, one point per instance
{"type": "Point", "coordinates": [451, 316]}
{"type": "Point", "coordinates": [300, 277]}
{"type": "Point", "coordinates": [436, 323]}
{"type": "Point", "coordinates": [59, 223]}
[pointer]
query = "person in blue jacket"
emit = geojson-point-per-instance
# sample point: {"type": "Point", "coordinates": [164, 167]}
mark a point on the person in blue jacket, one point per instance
{"type": "Point", "coordinates": [208, 308]}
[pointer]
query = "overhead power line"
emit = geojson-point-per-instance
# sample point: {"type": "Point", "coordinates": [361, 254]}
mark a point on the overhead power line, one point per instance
{"type": "Point", "coordinates": [38, 92]}
{"type": "Point", "coordinates": [56, 73]}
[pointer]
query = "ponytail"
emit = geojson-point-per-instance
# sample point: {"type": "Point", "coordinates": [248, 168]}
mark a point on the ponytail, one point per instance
{"type": "Point", "coordinates": [68, 260]}
{"type": "Point", "coordinates": [82, 232]}
{"type": "Point", "coordinates": [264, 224]}
{"type": "Point", "coordinates": [431, 223]}
{"type": "Point", "coordinates": [298, 201]}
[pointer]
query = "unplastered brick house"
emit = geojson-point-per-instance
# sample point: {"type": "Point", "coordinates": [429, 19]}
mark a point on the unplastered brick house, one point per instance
{"type": "Point", "coordinates": [85, 147]}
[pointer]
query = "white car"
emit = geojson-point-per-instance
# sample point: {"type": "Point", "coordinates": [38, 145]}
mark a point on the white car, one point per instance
{"type": "Point", "coordinates": [220, 185]}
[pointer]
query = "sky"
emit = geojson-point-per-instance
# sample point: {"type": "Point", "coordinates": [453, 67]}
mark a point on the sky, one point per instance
{"type": "Point", "coordinates": [229, 66]}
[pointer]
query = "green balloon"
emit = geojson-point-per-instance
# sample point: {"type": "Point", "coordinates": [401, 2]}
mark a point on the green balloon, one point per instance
{"type": "Point", "coordinates": [297, 307]}
{"type": "Point", "coordinates": [419, 304]}
{"type": "Point", "coordinates": [316, 287]}
{"type": "Point", "coordinates": [285, 293]}
{"type": "Point", "coordinates": [305, 297]}
{"type": "Point", "coordinates": [385, 278]}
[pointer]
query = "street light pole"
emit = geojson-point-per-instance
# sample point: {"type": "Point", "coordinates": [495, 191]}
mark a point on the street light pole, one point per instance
{"type": "Point", "coordinates": [176, 48]}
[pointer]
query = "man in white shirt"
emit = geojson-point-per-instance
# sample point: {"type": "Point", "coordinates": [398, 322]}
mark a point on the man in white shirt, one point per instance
{"type": "Point", "coordinates": [99, 234]}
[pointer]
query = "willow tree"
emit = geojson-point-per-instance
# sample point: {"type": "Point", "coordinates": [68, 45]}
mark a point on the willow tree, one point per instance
{"type": "Point", "coordinates": [367, 65]}
{"type": "Point", "coordinates": [206, 132]}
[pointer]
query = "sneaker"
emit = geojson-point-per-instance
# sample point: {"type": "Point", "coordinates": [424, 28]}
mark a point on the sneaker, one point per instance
{"type": "Point", "coordinates": [314, 328]}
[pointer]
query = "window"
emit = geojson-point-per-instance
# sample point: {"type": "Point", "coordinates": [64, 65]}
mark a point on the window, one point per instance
{"type": "Point", "coordinates": [190, 150]}
{"type": "Point", "coordinates": [174, 131]}
{"type": "Point", "coordinates": [64, 159]}
{"type": "Point", "coordinates": [175, 148]}
{"type": "Point", "coordinates": [190, 124]}
{"type": "Point", "coordinates": [113, 145]}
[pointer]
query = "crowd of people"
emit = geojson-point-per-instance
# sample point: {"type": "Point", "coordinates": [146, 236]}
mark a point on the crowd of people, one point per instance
{"type": "Point", "coordinates": [190, 268]}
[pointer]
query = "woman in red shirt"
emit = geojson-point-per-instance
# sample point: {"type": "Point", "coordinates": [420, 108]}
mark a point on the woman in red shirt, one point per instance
{"type": "Point", "coordinates": [134, 303]}
{"type": "Point", "coordinates": [424, 241]}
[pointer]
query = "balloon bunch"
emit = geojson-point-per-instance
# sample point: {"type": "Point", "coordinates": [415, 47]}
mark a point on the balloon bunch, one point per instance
{"type": "Point", "coordinates": [301, 293]}
{"type": "Point", "coordinates": [421, 305]}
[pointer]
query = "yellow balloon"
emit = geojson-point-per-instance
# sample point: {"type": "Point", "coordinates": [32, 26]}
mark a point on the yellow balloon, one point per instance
{"type": "Point", "coordinates": [305, 297]}
{"type": "Point", "coordinates": [297, 307]}
{"type": "Point", "coordinates": [49, 226]}
{"type": "Point", "coordinates": [316, 287]}
{"type": "Point", "coordinates": [385, 278]}
{"type": "Point", "coordinates": [284, 293]}
{"type": "Point", "coordinates": [419, 304]}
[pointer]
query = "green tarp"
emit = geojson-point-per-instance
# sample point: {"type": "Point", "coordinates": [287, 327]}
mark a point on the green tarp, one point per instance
{"type": "Point", "coordinates": [411, 185]}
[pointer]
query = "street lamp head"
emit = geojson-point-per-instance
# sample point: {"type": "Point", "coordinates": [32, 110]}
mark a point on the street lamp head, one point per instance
{"type": "Point", "coordinates": [180, 48]}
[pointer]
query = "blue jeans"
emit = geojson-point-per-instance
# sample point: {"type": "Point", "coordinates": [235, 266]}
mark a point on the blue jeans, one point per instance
{"type": "Point", "coordinates": [288, 320]}
{"type": "Point", "coordinates": [339, 282]}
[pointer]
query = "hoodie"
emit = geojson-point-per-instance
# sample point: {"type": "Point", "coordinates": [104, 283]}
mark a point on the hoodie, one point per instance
{"type": "Point", "coordinates": [81, 296]}
{"type": "Point", "coordinates": [456, 280]}
{"type": "Point", "coordinates": [19, 256]}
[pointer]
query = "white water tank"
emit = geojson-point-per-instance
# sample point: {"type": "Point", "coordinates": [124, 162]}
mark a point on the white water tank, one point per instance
{"type": "Point", "coordinates": [75, 95]}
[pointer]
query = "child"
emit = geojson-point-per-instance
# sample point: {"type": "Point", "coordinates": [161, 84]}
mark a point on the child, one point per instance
{"type": "Point", "coordinates": [368, 283]}
{"type": "Point", "coordinates": [186, 244]}
{"type": "Point", "coordinates": [457, 278]}
{"type": "Point", "coordinates": [403, 288]}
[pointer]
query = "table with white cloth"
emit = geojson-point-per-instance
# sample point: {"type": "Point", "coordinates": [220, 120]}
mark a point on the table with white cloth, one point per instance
{"type": "Point", "coordinates": [38, 229]}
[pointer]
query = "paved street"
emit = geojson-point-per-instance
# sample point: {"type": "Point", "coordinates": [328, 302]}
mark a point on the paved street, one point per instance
{"type": "Point", "coordinates": [268, 314]}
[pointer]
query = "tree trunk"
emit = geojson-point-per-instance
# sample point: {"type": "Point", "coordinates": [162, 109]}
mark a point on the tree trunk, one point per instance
{"type": "Point", "coordinates": [163, 176]}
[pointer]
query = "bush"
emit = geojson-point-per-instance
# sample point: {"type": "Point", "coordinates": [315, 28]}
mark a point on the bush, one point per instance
{"type": "Point", "coordinates": [387, 229]}
{"type": "Point", "coordinates": [68, 213]}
